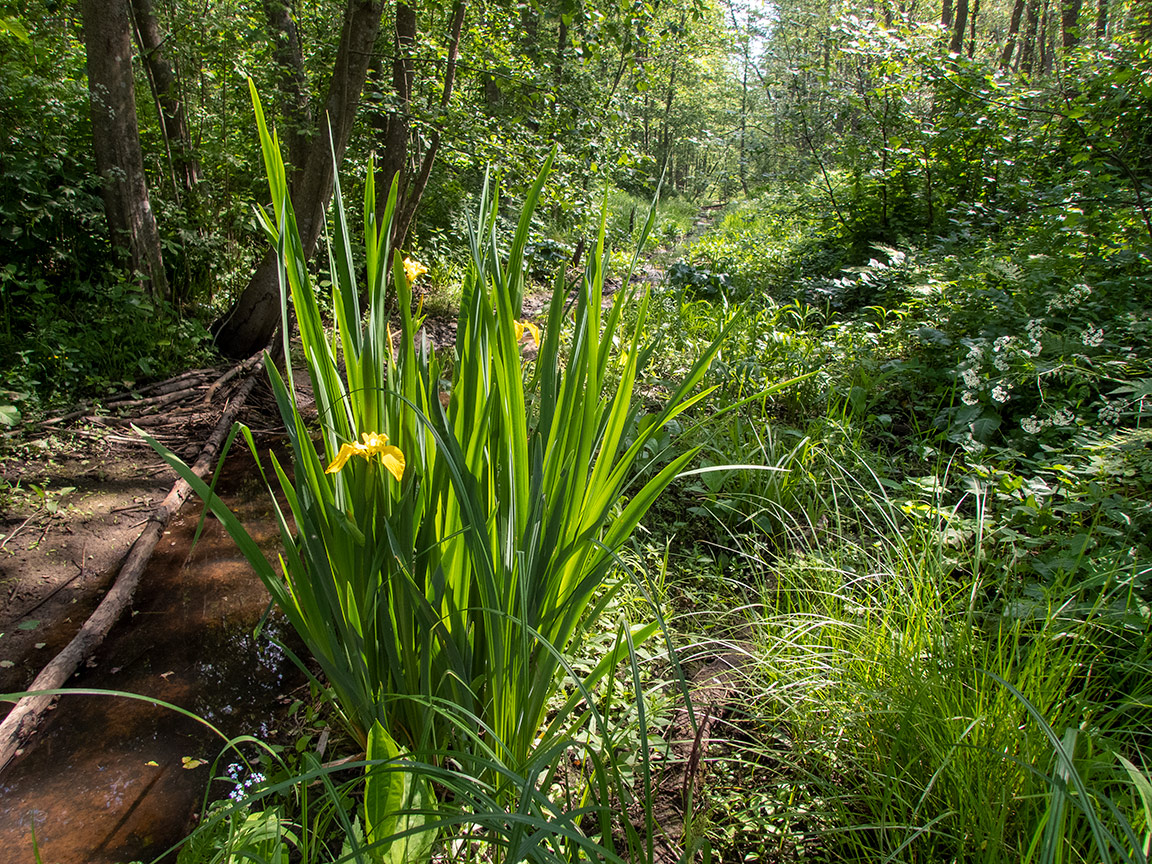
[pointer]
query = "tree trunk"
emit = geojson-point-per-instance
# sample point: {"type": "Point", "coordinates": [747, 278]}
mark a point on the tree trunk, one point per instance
{"type": "Point", "coordinates": [1045, 41]}
{"type": "Point", "coordinates": [116, 140]}
{"type": "Point", "coordinates": [946, 13]}
{"type": "Point", "coordinates": [407, 211]}
{"type": "Point", "coordinates": [1070, 23]}
{"type": "Point", "coordinates": [1013, 30]}
{"type": "Point", "coordinates": [972, 29]}
{"type": "Point", "coordinates": [394, 160]}
{"type": "Point", "coordinates": [166, 90]}
{"type": "Point", "coordinates": [298, 127]}
{"type": "Point", "coordinates": [1028, 49]}
{"type": "Point", "coordinates": [253, 319]}
{"type": "Point", "coordinates": [1102, 19]}
{"type": "Point", "coordinates": [959, 25]}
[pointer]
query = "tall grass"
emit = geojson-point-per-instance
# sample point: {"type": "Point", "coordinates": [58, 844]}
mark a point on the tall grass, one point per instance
{"type": "Point", "coordinates": [938, 709]}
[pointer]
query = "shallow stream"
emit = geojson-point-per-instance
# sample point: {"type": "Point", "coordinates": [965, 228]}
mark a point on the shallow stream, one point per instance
{"type": "Point", "coordinates": [106, 779]}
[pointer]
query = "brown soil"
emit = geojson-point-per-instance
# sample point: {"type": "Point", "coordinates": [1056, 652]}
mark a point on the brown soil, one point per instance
{"type": "Point", "coordinates": [61, 550]}
{"type": "Point", "coordinates": [105, 779]}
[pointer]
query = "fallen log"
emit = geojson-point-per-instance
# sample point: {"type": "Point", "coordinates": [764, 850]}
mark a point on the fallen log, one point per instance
{"type": "Point", "coordinates": [676, 789]}
{"type": "Point", "coordinates": [21, 723]}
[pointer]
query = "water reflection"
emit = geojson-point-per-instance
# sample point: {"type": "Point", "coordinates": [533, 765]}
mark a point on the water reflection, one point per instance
{"type": "Point", "coordinates": [105, 779]}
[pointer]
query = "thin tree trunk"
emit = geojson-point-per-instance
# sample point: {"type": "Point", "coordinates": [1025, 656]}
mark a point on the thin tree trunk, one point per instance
{"type": "Point", "coordinates": [1102, 19]}
{"type": "Point", "coordinates": [1028, 49]}
{"type": "Point", "coordinates": [972, 29]}
{"type": "Point", "coordinates": [403, 219]}
{"type": "Point", "coordinates": [1045, 40]}
{"type": "Point", "coordinates": [1013, 30]}
{"type": "Point", "coordinates": [394, 160]}
{"type": "Point", "coordinates": [959, 25]}
{"type": "Point", "coordinates": [1070, 23]}
{"type": "Point", "coordinates": [946, 13]}
{"type": "Point", "coordinates": [255, 316]}
{"type": "Point", "coordinates": [166, 91]}
{"type": "Point", "coordinates": [298, 126]}
{"type": "Point", "coordinates": [116, 140]}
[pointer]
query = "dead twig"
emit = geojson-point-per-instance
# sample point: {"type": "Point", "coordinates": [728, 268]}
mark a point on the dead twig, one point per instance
{"type": "Point", "coordinates": [19, 528]}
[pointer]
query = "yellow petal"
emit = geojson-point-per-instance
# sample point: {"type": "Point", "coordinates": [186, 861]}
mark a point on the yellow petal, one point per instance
{"type": "Point", "coordinates": [346, 452]}
{"type": "Point", "coordinates": [374, 442]}
{"type": "Point", "coordinates": [528, 327]}
{"type": "Point", "coordinates": [393, 460]}
{"type": "Point", "coordinates": [413, 269]}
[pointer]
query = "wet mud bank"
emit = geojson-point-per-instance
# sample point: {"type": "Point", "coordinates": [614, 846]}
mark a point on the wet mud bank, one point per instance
{"type": "Point", "coordinates": [115, 779]}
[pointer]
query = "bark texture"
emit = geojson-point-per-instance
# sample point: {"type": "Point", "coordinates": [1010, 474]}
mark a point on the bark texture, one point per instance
{"type": "Point", "coordinates": [291, 82]}
{"type": "Point", "coordinates": [1070, 23]}
{"type": "Point", "coordinates": [1013, 31]}
{"type": "Point", "coordinates": [116, 140]}
{"type": "Point", "coordinates": [255, 316]}
{"type": "Point", "coordinates": [959, 25]}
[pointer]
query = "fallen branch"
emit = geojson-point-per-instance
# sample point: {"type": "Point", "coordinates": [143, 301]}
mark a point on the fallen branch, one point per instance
{"type": "Point", "coordinates": [246, 366]}
{"type": "Point", "coordinates": [676, 789]}
{"type": "Point", "coordinates": [19, 725]}
{"type": "Point", "coordinates": [137, 397]}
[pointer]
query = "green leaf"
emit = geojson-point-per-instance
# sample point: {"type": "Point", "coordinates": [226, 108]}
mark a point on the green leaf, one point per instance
{"type": "Point", "coordinates": [1143, 786]}
{"type": "Point", "coordinates": [391, 793]}
{"type": "Point", "coordinates": [28, 625]}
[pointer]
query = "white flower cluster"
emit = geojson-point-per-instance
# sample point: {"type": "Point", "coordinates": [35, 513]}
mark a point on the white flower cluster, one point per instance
{"type": "Point", "coordinates": [1035, 331]}
{"type": "Point", "coordinates": [1109, 412]}
{"type": "Point", "coordinates": [1060, 417]}
{"type": "Point", "coordinates": [1000, 349]}
{"type": "Point", "coordinates": [1000, 392]}
{"type": "Point", "coordinates": [1033, 424]}
{"type": "Point", "coordinates": [1093, 336]}
{"type": "Point", "coordinates": [242, 789]}
{"type": "Point", "coordinates": [970, 374]}
{"type": "Point", "coordinates": [1074, 296]}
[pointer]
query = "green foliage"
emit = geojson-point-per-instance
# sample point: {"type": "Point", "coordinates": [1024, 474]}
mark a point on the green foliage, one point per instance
{"type": "Point", "coordinates": [440, 580]}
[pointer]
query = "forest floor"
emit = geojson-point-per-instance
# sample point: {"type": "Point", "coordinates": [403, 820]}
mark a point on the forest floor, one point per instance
{"type": "Point", "coordinates": [73, 503]}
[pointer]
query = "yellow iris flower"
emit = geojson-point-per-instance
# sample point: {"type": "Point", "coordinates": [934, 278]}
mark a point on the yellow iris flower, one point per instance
{"type": "Point", "coordinates": [413, 270]}
{"type": "Point", "coordinates": [528, 327]}
{"type": "Point", "coordinates": [374, 444]}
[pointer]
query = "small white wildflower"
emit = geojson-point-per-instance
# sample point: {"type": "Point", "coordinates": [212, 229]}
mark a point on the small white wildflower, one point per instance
{"type": "Point", "coordinates": [1063, 417]}
{"type": "Point", "coordinates": [969, 398]}
{"type": "Point", "coordinates": [1035, 329]}
{"type": "Point", "coordinates": [971, 444]}
{"type": "Point", "coordinates": [1002, 343]}
{"type": "Point", "coordinates": [1109, 412]}
{"type": "Point", "coordinates": [971, 378]}
{"type": "Point", "coordinates": [1031, 425]}
{"type": "Point", "coordinates": [1000, 393]}
{"type": "Point", "coordinates": [1001, 363]}
{"type": "Point", "coordinates": [975, 353]}
{"type": "Point", "coordinates": [1093, 336]}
